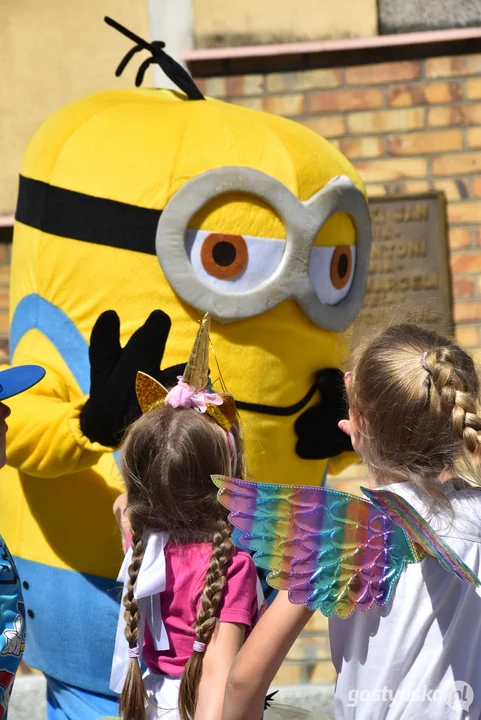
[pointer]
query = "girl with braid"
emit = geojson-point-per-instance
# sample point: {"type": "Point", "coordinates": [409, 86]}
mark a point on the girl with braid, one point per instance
{"type": "Point", "coordinates": [190, 596]}
{"type": "Point", "coordinates": [414, 419]}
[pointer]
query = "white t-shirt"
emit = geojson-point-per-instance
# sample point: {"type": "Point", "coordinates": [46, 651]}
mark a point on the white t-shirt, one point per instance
{"type": "Point", "coordinates": [419, 656]}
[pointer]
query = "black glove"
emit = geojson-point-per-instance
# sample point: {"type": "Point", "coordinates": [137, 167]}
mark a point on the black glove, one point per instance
{"type": "Point", "coordinates": [113, 404]}
{"type": "Point", "coordinates": [317, 430]}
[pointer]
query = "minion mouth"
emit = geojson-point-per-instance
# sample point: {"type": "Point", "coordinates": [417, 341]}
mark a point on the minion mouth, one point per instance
{"type": "Point", "coordinates": [279, 410]}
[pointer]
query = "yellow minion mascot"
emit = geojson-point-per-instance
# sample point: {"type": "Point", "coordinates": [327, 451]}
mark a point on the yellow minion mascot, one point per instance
{"type": "Point", "coordinates": [155, 205]}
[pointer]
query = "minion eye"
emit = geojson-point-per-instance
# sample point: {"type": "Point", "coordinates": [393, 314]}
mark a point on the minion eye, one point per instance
{"type": "Point", "coordinates": [331, 270]}
{"type": "Point", "coordinates": [233, 263]}
{"type": "Point", "coordinates": [224, 256]}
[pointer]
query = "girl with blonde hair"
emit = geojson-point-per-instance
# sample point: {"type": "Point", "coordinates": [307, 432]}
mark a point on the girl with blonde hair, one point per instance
{"type": "Point", "coordinates": [415, 651]}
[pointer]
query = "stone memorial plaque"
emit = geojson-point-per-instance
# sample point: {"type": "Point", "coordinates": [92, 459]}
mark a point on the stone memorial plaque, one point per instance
{"type": "Point", "coordinates": [409, 269]}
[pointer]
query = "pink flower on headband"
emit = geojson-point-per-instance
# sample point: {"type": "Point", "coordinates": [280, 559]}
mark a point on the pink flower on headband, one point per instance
{"type": "Point", "coordinates": [183, 395]}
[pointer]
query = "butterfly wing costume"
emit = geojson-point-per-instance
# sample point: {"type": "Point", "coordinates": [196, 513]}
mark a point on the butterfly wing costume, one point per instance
{"type": "Point", "coordinates": [331, 550]}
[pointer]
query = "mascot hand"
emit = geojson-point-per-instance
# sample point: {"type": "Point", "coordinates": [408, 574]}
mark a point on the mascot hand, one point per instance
{"type": "Point", "coordinates": [318, 434]}
{"type": "Point", "coordinates": [112, 404]}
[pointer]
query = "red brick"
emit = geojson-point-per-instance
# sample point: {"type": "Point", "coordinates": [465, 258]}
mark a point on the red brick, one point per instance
{"type": "Point", "coordinates": [212, 87]}
{"type": "Point", "coordinates": [231, 85]}
{"type": "Point", "coordinates": [362, 147]}
{"type": "Point", "coordinates": [466, 262]}
{"type": "Point", "coordinates": [415, 186]}
{"type": "Point", "coordinates": [283, 104]}
{"type": "Point", "coordinates": [457, 164]}
{"type": "Point", "coordinates": [289, 674]}
{"type": "Point", "coordinates": [408, 187]}
{"type": "Point", "coordinates": [453, 65]}
{"type": "Point", "coordinates": [457, 189]}
{"type": "Point", "coordinates": [464, 213]}
{"type": "Point", "coordinates": [460, 238]}
{"type": "Point", "coordinates": [467, 336]}
{"type": "Point", "coordinates": [344, 100]}
{"type": "Point", "coordinates": [473, 88]}
{"type": "Point", "coordinates": [317, 623]}
{"type": "Point", "coordinates": [466, 311]}
{"type": "Point", "coordinates": [254, 103]}
{"type": "Point", "coordinates": [4, 300]}
{"type": "Point", "coordinates": [428, 94]}
{"type": "Point", "coordinates": [457, 115]}
{"type": "Point", "coordinates": [463, 287]}
{"type": "Point", "coordinates": [323, 671]}
{"type": "Point", "coordinates": [381, 73]}
{"type": "Point", "coordinates": [303, 80]}
{"type": "Point", "coordinates": [477, 187]}
{"type": "Point", "coordinates": [376, 190]}
{"type": "Point", "coordinates": [426, 142]}
{"type": "Point", "coordinates": [243, 85]}
{"type": "Point", "coordinates": [473, 136]}
{"type": "Point", "coordinates": [374, 171]}
{"type": "Point", "coordinates": [201, 84]}
{"type": "Point", "coordinates": [326, 125]}
{"type": "Point", "coordinates": [4, 275]}
{"type": "Point", "coordinates": [386, 121]}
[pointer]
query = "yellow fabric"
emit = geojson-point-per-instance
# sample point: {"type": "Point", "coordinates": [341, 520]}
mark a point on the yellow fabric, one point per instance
{"type": "Point", "coordinates": [140, 147]}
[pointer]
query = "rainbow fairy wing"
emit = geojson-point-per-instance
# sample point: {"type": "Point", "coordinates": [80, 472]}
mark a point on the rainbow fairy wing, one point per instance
{"type": "Point", "coordinates": [332, 551]}
{"type": "Point", "coordinates": [420, 532]}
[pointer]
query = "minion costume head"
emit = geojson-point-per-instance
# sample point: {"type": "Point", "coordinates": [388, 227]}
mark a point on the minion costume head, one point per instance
{"type": "Point", "coordinates": [146, 199]}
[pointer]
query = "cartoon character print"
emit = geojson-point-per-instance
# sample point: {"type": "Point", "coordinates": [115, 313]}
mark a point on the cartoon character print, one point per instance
{"type": "Point", "coordinates": [6, 687]}
{"type": "Point", "coordinates": [8, 571]}
{"type": "Point", "coordinates": [15, 637]}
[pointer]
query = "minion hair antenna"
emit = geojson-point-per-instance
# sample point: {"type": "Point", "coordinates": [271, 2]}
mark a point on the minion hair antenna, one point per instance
{"type": "Point", "coordinates": [171, 67]}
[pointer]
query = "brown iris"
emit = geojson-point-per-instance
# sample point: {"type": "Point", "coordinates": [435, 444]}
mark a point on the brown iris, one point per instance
{"type": "Point", "coordinates": [224, 256]}
{"type": "Point", "coordinates": [341, 266]}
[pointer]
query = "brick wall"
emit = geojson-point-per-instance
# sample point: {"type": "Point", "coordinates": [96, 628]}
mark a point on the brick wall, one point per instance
{"type": "Point", "coordinates": [408, 126]}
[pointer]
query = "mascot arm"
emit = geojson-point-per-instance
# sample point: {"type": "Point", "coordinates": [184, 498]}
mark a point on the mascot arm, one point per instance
{"type": "Point", "coordinates": [44, 437]}
{"type": "Point", "coordinates": [55, 428]}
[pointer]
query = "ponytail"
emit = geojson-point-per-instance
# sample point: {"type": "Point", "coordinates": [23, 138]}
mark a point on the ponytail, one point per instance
{"type": "Point", "coordinates": [206, 621]}
{"type": "Point", "coordinates": [133, 696]}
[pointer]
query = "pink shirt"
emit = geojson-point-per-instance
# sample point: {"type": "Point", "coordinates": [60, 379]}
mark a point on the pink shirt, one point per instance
{"type": "Point", "coordinates": [186, 568]}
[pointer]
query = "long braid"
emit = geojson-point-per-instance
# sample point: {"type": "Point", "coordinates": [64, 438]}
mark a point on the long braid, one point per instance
{"type": "Point", "coordinates": [206, 621]}
{"type": "Point", "coordinates": [133, 696]}
{"type": "Point", "coordinates": [454, 396]}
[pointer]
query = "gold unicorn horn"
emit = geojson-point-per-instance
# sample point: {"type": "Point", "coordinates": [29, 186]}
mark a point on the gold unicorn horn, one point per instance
{"type": "Point", "coordinates": [196, 371]}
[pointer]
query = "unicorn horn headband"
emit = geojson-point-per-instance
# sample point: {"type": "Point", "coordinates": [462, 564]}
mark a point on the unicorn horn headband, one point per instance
{"type": "Point", "coordinates": [192, 389]}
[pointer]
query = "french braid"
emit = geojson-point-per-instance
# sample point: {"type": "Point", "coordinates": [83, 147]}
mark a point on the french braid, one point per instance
{"type": "Point", "coordinates": [133, 697]}
{"type": "Point", "coordinates": [454, 397]}
{"type": "Point", "coordinates": [416, 395]}
{"type": "Point", "coordinates": [206, 621]}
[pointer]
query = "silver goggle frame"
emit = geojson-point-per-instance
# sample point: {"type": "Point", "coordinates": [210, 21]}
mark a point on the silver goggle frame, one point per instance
{"type": "Point", "coordinates": [302, 221]}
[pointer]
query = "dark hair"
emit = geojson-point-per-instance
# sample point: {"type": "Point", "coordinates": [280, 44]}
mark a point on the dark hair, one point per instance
{"type": "Point", "coordinates": [168, 458]}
